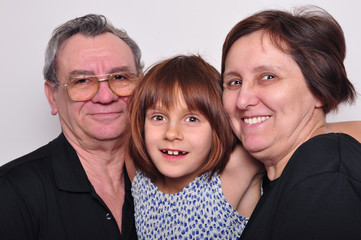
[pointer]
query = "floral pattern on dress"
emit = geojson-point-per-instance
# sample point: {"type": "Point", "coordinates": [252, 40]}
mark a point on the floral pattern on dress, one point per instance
{"type": "Point", "coordinates": [199, 211]}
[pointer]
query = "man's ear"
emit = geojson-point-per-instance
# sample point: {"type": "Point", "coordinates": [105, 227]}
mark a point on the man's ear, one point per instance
{"type": "Point", "coordinates": [49, 93]}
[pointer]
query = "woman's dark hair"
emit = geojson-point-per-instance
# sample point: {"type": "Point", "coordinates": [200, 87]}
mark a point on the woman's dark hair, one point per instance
{"type": "Point", "coordinates": [315, 41]}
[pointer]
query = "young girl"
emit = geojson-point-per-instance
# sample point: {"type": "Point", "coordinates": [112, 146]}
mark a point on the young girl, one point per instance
{"type": "Point", "coordinates": [186, 187]}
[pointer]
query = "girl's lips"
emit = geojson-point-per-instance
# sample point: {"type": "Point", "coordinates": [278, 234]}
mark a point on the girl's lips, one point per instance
{"type": "Point", "coordinates": [173, 152]}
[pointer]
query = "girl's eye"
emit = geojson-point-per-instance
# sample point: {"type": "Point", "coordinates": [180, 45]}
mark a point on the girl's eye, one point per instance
{"type": "Point", "coordinates": [192, 119]}
{"type": "Point", "coordinates": [158, 118]}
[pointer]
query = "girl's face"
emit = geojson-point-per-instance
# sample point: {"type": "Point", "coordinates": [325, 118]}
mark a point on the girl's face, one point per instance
{"type": "Point", "coordinates": [266, 96]}
{"type": "Point", "coordinates": [178, 141]}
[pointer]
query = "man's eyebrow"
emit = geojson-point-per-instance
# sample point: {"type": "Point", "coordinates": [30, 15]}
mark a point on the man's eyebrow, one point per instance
{"type": "Point", "coordinates": [79, 72]}
{"type": "Point", "coordinates": [120, 69]}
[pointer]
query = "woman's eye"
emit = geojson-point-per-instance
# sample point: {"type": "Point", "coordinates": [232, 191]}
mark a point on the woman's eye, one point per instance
{"type": "Point", "coordinates": [268, 77]}
{"type": "Point", "coordinates": [192, 119]}
{"type": "Point", "coordinates": [233, 84]}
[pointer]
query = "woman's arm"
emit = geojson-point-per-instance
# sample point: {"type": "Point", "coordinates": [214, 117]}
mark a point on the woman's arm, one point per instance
{"type": "Point", "coordinates": [241, 181]}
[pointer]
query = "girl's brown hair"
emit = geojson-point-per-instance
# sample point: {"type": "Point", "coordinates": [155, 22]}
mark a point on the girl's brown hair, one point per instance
{"type": "Point", "coordinates": [200, 85]}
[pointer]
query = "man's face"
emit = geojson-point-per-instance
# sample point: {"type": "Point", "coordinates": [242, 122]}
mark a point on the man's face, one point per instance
{"type": "Point", "coordinates": [103, 117]}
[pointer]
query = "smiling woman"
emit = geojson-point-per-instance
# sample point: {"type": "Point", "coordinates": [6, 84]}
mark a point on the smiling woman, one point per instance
{"type": "Point", "coordinates": [282, 74]}
{"type": "Point", "coordinates": [271, 97]}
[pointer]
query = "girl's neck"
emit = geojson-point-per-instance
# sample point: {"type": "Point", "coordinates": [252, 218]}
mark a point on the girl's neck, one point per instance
{"type": "Point", "coordinates": [174, 185]}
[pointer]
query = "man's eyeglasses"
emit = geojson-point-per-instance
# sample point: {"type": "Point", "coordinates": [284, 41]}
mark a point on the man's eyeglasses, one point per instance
{"type": "Point", "coordinates": [84, 88]}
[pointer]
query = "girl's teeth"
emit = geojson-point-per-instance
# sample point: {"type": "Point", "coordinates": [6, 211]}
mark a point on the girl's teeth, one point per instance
{"type": "Point", "coordinates": [175, 153]}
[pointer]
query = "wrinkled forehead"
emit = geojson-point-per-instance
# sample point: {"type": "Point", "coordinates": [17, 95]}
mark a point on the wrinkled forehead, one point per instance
{"type": "Point", "coordinates": [98, 54]}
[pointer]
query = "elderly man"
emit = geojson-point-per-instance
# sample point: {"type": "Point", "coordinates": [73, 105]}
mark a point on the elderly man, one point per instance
{"type": "Point", "coordinates": [77, 186]}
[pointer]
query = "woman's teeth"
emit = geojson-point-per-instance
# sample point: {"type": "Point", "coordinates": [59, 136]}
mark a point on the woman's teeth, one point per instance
{"type": "Point", "coordinates": [255, 120]}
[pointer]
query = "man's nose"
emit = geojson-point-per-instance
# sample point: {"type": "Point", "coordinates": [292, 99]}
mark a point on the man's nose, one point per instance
{"type": "Point", "coordinates": [104, 94]}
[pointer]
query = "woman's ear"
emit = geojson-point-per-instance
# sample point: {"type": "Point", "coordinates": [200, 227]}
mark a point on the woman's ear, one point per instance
{"type": "Point", "coordinates": [319, 104]}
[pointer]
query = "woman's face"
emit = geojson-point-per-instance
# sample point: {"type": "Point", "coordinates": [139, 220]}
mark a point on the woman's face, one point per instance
{"type": "Point", "coordinates": [267, 98]}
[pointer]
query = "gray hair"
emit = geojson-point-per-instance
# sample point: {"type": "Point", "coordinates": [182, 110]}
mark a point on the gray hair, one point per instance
{"type": "Point", "coordinates": [90, 25]}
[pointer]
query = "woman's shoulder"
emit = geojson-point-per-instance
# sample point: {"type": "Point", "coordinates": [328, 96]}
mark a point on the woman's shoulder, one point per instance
{"type": "Point", "coordinates": [331, 139]}
{"type": "Point", "coordinates": [352, 128]}
{"type": "Point", "coordinates": [325, 155]}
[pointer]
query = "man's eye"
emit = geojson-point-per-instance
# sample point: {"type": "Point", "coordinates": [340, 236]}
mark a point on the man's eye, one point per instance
{"type": "Point", "coordinates": [81, 81]}
{"type": "Point", "coordinates": [119, 76]}
{"type": "Point", "coordinates": [192, 119]}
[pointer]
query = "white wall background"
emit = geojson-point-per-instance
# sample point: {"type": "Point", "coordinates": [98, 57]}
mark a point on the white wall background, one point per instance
{"type": "Point", "coordinates": [162, 28]}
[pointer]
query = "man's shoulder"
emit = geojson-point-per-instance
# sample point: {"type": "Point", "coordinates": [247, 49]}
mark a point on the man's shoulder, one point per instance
{"type": "Point", "coordinates": [26, 160]}
{"type": "Point", "coordinates": [39, 159]}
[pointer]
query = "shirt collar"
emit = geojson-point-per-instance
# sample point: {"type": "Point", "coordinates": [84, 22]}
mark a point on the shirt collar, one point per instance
{"type": "Point", "coordinates": [69, 174]}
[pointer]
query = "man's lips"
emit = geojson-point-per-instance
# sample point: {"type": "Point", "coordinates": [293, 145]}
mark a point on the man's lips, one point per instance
{"type": "Point", "coordinates": [104, 113]}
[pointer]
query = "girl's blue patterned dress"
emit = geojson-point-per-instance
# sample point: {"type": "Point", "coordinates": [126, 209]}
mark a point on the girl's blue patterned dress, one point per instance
{"type": "Point", "coordinates": [199, 211]}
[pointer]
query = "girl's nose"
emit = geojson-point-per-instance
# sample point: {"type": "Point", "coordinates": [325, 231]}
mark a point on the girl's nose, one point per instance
{"type": "Point", "coordinates": [173, 132]}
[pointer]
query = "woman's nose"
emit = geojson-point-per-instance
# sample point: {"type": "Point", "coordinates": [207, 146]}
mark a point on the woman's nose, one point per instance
{"type": "Point", "coordinates": [247, 96]}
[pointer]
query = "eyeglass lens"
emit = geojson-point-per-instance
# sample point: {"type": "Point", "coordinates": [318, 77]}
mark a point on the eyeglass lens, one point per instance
{"type": "Point", "coordinates": [82, 89]}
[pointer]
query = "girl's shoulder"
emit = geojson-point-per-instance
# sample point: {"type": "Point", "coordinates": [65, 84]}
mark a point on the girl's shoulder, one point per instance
{"type": "Point", "coordinates": [142, 183]}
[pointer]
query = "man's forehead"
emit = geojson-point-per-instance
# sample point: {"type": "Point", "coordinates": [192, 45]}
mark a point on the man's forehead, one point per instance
{"type": "Point", "coordinates": [103, 42]}
{"type": "Point", "coordinates": [101, 54]}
